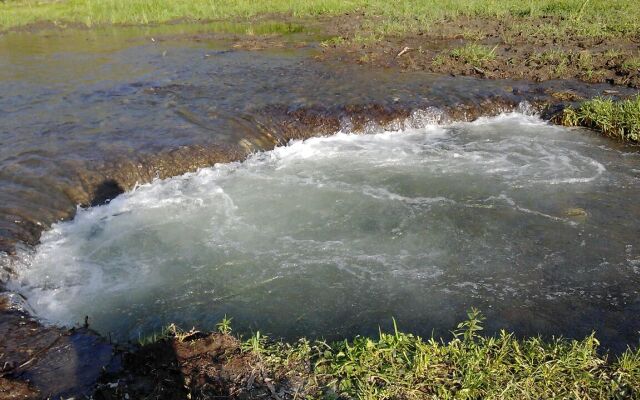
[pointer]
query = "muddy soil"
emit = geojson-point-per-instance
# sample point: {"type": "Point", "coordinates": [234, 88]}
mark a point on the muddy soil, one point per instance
{"type": "Point", "coordinates": [510, 49]}
{"type": "Point", "coordinates": [198, 366]}
{"type": "Point", "coordinates": [536, 49]}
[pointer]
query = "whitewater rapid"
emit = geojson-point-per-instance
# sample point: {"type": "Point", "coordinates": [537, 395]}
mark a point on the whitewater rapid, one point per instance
{"type": "Point", "coordinates": [335, 235]}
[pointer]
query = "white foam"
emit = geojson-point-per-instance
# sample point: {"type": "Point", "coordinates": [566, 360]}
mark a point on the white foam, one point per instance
{"type": "Point", "coordinates": [377, 207]}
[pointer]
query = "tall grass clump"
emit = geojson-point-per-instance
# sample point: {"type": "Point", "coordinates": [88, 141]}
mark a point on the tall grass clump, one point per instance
{"type": "Point", "coordinates": [617, 119]}
{"type": "Point", "coordinates": [474, 54]}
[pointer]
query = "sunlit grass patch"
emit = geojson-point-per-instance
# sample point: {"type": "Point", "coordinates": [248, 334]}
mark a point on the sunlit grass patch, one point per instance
{"type": "Point", "coordinates": [618, 119]}
{"type": "Point", "coordinates": [474, 54]}
{"type": "Point", "coordinates": [589, 18]}
{"type": "Point", "coordinates": [397, 365]}
{"type": "Point", "coordinates": [631, 63]}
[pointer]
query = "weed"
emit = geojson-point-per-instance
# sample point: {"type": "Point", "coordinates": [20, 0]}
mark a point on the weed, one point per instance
{"type": "Point", "coordinates": [618, 119]}
{"type": "Point", "coordinates": [224, 326]}
{"type": "Point", "coordinates": [631, 64]}
{"type": "Point", "coordinates": [585, 60]}
{"type": "Point", "coordinates": [155, 336]}
{"type": "Point", "coordinates": [333, 42]}
{"type": "Point", "coordinates": [555, 57]}
{"type": "Point", "coordinates": [398, 365]}
{"type": "Point", "coordinates": [471, 366]}
{"type": "Point", "coordinates": [474, 54]}
{"type": "Point", "coordinates": [473, 34]}
{"type": "Point", "coordinates": [613, 53]}
{"type": "Point", "coordinates": [561, 69]}
{"type": "Point", "coordinates": [439, 60]}
{"type": "Point", "coordinates": [364, 59]}
{"type": "Point", "coordinates": [255, 344]}
{"type": "Point", "coordinates": [169, 331]}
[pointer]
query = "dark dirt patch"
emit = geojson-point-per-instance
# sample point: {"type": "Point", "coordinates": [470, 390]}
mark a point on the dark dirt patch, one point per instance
{"type": "Point", "coordinates": [199, 366]}
{"type": "Point", "coordinates": [11, 389]}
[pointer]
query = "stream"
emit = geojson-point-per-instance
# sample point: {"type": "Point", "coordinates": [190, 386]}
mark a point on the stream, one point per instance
{"type": "Point", "coordinates": [418, 220]}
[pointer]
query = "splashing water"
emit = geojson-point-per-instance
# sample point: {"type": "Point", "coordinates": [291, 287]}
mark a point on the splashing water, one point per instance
{"type": "Point", "coordinates": [333, 236]}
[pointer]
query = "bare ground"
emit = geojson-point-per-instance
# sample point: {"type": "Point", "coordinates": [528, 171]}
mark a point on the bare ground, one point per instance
{"type": "Point", "coordinates": [199, 366]}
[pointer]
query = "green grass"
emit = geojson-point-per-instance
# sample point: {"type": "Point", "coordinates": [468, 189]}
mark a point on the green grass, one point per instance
{"type": "Point", "coordinates": [589, 17]}
{"type": "Point", "coordinates": [617, 119]}
{"type": "Point", "coordinates": [474, 54]}
{"type": "Point", "coordinates": [632, 63]}
{"type": "Point", "coordinates": [399, 365]}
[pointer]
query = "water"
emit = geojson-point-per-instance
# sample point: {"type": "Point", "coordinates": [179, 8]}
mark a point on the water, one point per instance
{"type": "Point", "coordinates": [81, 108]}
{"type": "Point", "coordinates": [334, 236]}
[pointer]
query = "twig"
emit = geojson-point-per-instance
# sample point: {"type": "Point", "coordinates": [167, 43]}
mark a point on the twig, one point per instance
{"type": "Point", "coordinates": [403, 51]}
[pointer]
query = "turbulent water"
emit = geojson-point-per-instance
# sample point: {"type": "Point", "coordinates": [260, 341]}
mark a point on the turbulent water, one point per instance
{"type": "Point", "coordinates": [333, 236]}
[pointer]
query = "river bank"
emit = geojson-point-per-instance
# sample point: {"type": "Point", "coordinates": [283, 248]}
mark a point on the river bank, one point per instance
{"type": "Point", "coordinates": [197, 365]}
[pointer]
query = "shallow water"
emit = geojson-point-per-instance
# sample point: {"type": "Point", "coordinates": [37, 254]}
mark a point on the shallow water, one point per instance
{"type": "Point", "coordinates": [334, 236]}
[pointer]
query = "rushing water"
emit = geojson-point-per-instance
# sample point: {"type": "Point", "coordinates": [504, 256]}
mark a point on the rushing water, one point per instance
{"type": "Point", "coordinates": [81, 108]}
{"type": "Point", "coordinates": [334, 236]}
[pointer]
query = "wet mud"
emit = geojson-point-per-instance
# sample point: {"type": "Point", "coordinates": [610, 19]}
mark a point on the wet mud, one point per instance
{"type": "Point", "coordinates": [536, 49]}
{"type": "Point", "coordinates": [198, 366]}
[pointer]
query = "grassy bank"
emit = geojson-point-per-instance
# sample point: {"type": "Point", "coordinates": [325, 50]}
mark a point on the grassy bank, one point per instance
{"type": "Point", "coordinates": [589, 40]}
{"type": "Point", "coordinates": [592, 17]}
{"type": "Point", "coordinates": [617, 119]}
{"type": "Point", "coordinates": [394, 365]}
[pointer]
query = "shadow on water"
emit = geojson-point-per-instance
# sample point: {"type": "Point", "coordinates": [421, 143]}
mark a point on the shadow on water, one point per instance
{"type": "Point", "coordinates": [56, 363]}
{"type": "Point", "coordinates": [153, 372]}
{"type": "Point", "coordinates": [106, 191]}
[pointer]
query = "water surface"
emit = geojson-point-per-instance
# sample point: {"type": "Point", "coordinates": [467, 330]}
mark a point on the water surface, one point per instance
{"type": "Point", "coordinates": [81, 109]}
{"type": "Point", "coordinates": [531, 223]}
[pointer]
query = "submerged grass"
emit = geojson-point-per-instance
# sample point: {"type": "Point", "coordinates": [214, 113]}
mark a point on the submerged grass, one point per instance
{"type": "Point", "coordinates": [587, 17]}
{"type": "Point", "coordinates": [399, 365]}
{"type": "Point", "coordinates": [617, 119]}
